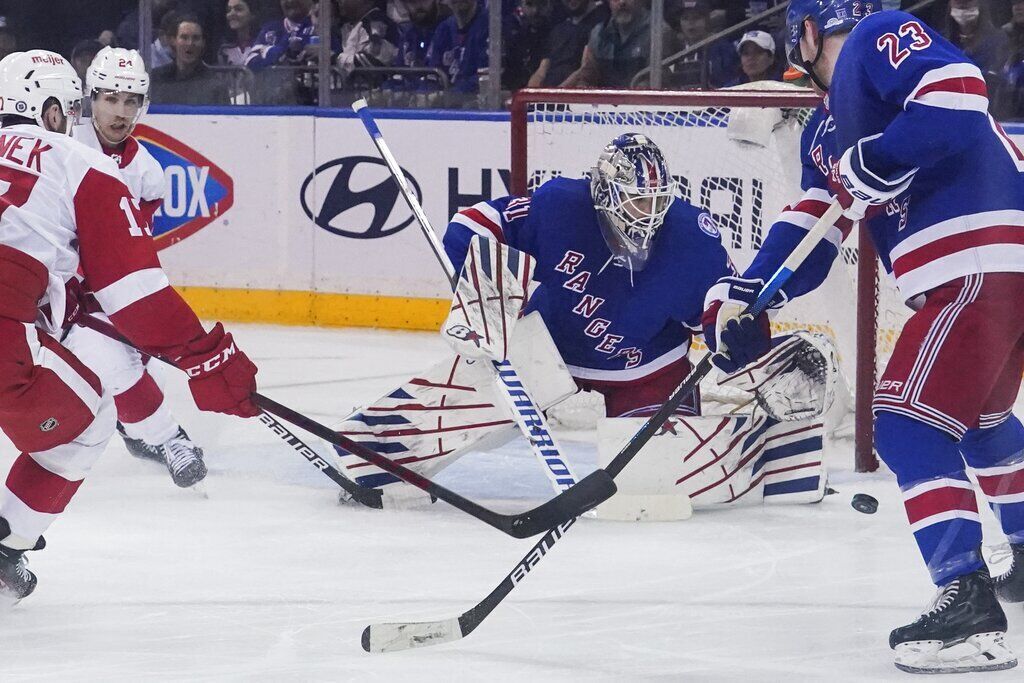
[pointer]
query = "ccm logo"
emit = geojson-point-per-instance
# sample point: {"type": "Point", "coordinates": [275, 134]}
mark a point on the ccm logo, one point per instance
{"type": "Point", "coordinates": [890, 385]}
{"type": "Point", "coordinates": [211, 364]}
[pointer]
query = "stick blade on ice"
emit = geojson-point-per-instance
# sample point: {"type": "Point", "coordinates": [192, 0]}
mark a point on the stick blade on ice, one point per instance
{"type": "Point", "coordinates": [404, 636]}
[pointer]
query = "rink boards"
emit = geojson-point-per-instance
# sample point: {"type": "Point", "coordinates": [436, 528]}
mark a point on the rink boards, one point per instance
{"type": "Point", "coordinates": [287, 215]}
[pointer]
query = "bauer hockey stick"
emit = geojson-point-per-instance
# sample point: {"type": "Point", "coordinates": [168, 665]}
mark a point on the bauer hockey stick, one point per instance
{"type": "Point", "coordinates": [580, 498]}
{"type": "Point", "coordinates": [528, 416]}
{"type": "Point", "coordinates": [396, 636]}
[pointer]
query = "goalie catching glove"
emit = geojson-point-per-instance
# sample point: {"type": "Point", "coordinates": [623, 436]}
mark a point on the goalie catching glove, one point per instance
{"type": "Point", "coordinates": [736, 339]}
{"type": "Point", "coordinates": [489, 297]}
{"type": "Point", "coordinates": [793, 381]}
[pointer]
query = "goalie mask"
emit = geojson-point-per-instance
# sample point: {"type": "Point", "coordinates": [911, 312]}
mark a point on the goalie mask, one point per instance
{"type": "Point", "coordinates": [632, 192]}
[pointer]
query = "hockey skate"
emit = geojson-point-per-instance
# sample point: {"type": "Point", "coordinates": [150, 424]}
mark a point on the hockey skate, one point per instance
{"type": "Point", "coordinates": [184, 460]}
{"type": "Point", "coordinates": [139, 448]}
{"type": "Point", "coordinates": [16, 581]}
{"type": "Point", "coordinates": [1009, 585]}
{"type": "Point", "coordinates": [963, 630]}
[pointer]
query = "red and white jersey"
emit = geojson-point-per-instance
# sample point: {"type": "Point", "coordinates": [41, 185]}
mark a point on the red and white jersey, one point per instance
{"type": "Point", "coordinates": [141, 172]}
{"type": "Point", "coordinates": [66, 207]}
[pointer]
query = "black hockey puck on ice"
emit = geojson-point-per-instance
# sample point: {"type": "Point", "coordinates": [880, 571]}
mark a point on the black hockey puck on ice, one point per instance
{"type": "Point", "coordinates": [862, 502]}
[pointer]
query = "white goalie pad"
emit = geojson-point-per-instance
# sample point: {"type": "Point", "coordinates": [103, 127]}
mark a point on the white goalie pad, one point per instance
{"type": "Point", "coordinates": [712, 461]}
{"type": "Point", "coordinates": [454, 407]}
{"type": "Point", "coordinates": [490, 294]}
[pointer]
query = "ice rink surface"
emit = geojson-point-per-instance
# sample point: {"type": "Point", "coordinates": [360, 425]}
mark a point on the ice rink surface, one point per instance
{"type": "Point", "coordinates": [269, 579]}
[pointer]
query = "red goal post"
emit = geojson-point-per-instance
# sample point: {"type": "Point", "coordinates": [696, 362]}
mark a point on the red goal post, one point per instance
{"type": "Point", "coordinates": [736, 154]}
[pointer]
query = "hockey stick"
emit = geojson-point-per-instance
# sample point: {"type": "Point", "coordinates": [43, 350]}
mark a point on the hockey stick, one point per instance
{"type": "Point", "coordinates": [395, 636]}
{"type": "Point", "coordinates": [528, 416]}
{"type": "Point", "coordinates": [585, 495]}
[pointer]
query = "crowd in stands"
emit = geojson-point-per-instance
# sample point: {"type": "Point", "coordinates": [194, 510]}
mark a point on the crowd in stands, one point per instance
{"type": "Point", "coordinates": [435, 52]}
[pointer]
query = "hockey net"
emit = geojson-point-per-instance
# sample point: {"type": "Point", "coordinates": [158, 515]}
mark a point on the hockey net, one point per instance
{"type": "Point", "coordinates": [735, 153]}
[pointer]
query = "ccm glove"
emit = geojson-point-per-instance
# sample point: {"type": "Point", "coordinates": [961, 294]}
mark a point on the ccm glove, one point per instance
{"type": "Point", "coordinates": [221, 377]}
{"type": "Point", "coordinates": [858, 189]}
{"type": "Point", "coordinates": [734, 338]}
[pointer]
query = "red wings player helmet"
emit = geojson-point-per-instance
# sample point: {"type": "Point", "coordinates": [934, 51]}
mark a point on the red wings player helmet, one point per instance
{"type": "Point", "coordinates": [29, 79]}
{"type": "Point", "coordinates": [116, 69]}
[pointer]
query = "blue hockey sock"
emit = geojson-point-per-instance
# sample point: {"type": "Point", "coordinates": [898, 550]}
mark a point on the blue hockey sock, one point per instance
{"type": "Point", "coordinates": [997, 457]}
{"type": "Point", "coordinates": [938, 497]}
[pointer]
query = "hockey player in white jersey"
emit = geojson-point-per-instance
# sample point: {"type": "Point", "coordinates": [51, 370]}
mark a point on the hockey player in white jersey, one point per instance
{"type": "Point", "coordinates": [65, 212]}
{"type": "Point", "coordinates": [118, 87]}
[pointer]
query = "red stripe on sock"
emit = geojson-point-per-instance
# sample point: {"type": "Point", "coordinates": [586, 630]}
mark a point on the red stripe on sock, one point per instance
{"type": "Point", "coordinates": [38, 487]}
{"type": "Point", "coordinates": [938, 501]}
{"type": "Point", "coordinates": [140, 401]}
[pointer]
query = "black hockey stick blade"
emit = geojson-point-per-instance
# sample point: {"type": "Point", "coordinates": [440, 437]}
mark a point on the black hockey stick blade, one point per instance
{"type": "Point", "coordinates": [397, 636]}
{"type": "Point", "coordinates": [568, 504]}
{"type": "Point", "coordinates": [587, 493]}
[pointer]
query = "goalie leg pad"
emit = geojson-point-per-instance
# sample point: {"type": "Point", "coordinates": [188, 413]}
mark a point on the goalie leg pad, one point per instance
{"type": "Point", "coordinates": [453, 408]}
{"type": "Point", "coordinates": [724, 460]}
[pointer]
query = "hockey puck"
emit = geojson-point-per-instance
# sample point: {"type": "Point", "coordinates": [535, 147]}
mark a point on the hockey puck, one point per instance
{"type": "Point", "coordinates": [862, 502]}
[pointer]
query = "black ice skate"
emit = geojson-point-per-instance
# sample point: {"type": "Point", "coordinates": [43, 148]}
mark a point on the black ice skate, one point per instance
{"type": "Point", "coordinates": [16, 581]}
{"type": "Point", "coordinates": [1010, 584]}
{"type": "Point", "coordinates": [963, 630]}
{"type": "Point", "coordinates": [139, 448]}
{"type": "Point", "coordinates": [184, 460]}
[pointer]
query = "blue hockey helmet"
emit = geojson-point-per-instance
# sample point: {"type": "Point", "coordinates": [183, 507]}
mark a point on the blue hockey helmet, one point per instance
{"type": "Point", "coordinates": [831, 16]}
{"type": "Point", "coordinates": [632, 191]}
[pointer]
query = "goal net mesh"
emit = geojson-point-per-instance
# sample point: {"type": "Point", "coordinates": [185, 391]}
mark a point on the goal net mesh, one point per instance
{"type": "Point", "coordinates": [740, 162]}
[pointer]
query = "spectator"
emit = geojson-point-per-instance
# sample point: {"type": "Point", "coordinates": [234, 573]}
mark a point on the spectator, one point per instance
{"type": "Point", "coordinates": [969, 27]}
{"type": "Point", "coordinates": [460, 45]}
{"type": "Point", "coordinates": [284, 41]}
{"type": "Point", "coordinates": [1014, 31]}
{"type": "Point", "coordinates": [720, 58]}
{"type": "Point", "coordinates": [82, 55]}
{"type": "Point", "coordinates": [243, 18]}
{"type": "Point", "coordinates": [416, 35]}
{"type": "Point", "coordinates": [187, 80]}
{"type": "Point", "coordinates": [161, 52]}
{"type": "Point", "coordinates": [758, 61]}
{"type": "Point", "coordinates": [566, 42]}
{"type": "Point", "coordinates": [368, 37]}
{"type": "Point", "coordinates": [529, 36]}
{"type": "Point", "coordinates": [619, 48]}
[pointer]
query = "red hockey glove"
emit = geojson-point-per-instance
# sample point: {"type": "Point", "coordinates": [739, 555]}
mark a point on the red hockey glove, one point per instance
{"type": "Point", "coordinates": [221, 377]}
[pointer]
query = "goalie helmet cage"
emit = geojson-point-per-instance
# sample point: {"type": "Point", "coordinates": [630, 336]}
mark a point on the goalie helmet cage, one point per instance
{"type": "Point", "coordinates": [735, 153]}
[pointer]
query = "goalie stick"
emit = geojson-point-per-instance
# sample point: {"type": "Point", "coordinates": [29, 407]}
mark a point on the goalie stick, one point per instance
{"type": "Point", "coordinates": [590, 492]}
{"type": "Point", "coordinates": [528, 416]}
{"type": "Point", "coordinates": [397, 636]}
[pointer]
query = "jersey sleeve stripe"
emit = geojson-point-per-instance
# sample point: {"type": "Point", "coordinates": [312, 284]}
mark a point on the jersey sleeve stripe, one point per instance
{"type": "Point", "coordinates": [805, 213]}
{"type": "Point", "coordinates": [476, 220]}
{"type": "Point", "coordinates": [131, 288]}
{"type": "Point", "coordinates": [954, 86]}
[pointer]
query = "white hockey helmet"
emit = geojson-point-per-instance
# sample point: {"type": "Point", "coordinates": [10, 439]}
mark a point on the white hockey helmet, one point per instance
{"type": "Point", "coordinates": [29, 79]}
{"type": "Point", "coordinates": [118, 70]}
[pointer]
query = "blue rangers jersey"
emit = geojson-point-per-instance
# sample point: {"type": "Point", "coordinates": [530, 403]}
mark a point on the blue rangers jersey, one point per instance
{"type": "Point", "coordinates": [914, 101]}
{"type": "Point", "coordinates": [608, 325]}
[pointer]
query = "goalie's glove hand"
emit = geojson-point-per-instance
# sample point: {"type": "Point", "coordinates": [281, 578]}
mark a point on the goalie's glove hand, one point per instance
{"type": "Point", "coordinates": [858, 189]}
{"type": "Point", "coordinates": [734, 338]}
{"type": "Point", "coordinates": [221, 377]}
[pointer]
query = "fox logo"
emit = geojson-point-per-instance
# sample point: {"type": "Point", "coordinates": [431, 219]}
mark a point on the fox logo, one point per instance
{"type": "Point", "coordinates": [465, 334]}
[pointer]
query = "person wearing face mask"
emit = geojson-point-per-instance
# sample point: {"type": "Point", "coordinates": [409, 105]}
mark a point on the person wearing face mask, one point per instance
{"type": "Point", "coordinates": [970, 28]}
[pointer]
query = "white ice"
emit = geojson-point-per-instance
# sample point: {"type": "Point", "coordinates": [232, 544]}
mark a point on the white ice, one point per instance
{"type": "Point", "coordinates": [269, 579]}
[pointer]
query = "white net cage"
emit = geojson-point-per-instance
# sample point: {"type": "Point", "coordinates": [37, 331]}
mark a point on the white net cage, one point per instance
{"type": "Point", "coordinates": [735, 154]}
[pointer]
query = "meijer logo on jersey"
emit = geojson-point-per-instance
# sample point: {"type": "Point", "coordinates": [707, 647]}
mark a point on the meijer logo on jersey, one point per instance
{"type": "Point", "coordinates": [356, 197]}
{"type": "Point", "coordinates": [198, 191]}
